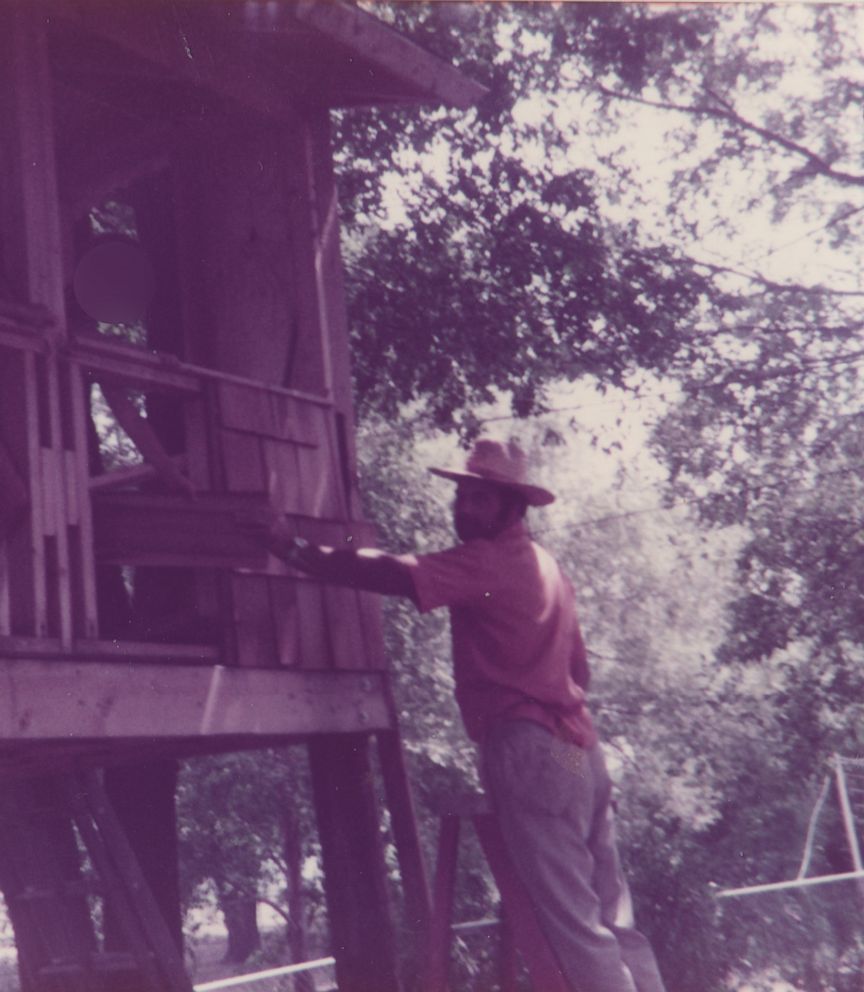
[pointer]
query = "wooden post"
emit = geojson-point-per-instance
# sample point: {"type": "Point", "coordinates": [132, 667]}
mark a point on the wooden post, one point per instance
{"type": "Point", "coordinates": [142, 796]}
{"type": "Point", "coordinates": [32, 270]}
{"type": "Point", "coordinates": [355, 874]}
{"type": "Point", "coordinates": [415, 884]}
{"type": "Point", "coordinates": [438, 951]}
{"type": "Point", "coordinates": [38, 861]}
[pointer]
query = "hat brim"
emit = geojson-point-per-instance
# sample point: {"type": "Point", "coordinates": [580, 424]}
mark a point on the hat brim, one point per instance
{"type": "Point", "coordinates": [535, 495]}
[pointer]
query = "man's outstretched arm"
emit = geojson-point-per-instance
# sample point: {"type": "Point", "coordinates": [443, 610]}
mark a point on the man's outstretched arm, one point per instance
{"type": "Point", "coordinates": [364, 568]}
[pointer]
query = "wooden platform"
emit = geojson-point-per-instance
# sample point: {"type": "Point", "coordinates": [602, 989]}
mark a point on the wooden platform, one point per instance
{"type": "Point", "coordinates": [98, 711]}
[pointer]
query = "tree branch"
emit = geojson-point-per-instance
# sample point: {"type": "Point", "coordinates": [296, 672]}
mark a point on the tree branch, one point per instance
{"type": "Point", "coordinates": [817, 164]}
{"type": "Point", "coordinates": [780, 287]}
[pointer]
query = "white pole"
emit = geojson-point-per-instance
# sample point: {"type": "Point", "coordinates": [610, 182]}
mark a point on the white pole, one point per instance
{"type": "Point", "coordinates": [848, 819]}
{"type": "Point", "coordinates": [794, 883]}
{"type": "Point", "coordinates": [259, 976]}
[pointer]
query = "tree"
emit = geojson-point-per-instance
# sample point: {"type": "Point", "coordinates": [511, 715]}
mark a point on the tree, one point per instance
{"type": "Point", "coordinates": [246, 832]}
{"type": "Point", "coordinates": [506, 243]}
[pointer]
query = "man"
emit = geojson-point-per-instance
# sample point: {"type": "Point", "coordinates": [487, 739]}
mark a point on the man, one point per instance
{"type": "Point", "coordinates": [521, 677]}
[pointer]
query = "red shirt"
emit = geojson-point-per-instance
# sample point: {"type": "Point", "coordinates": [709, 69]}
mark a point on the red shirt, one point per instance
{"type": "Point", "coordinates": [517, 648]}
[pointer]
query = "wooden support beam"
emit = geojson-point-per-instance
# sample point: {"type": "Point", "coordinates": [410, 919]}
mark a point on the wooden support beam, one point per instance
{"type": "Point", "coordinates": [355, 874]}
{"type": "Point", "coordinates": [75, 700]}
{"type": "Point", "coordinates": [436, 971]}
{"type": "Point", "coordinates": [131, 366]}
{"type": "Point", "coordinates": [32, 259]}
{"type": "Point", "coordinates": [412, 868]}
{"type": "Point", "coordinates": [142, 796]}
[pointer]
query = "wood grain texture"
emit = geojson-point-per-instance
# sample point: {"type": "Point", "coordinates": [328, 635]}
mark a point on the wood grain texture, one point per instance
{"type": "Point", "coordinates": [73, 701]}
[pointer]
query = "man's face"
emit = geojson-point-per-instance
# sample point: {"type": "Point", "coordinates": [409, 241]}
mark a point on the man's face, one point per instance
{"type": "Point", "coordinates": [481, 509]}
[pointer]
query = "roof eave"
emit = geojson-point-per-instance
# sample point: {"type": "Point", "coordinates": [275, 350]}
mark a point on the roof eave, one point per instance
{"type": "Point", "coordinates": [427, 78]}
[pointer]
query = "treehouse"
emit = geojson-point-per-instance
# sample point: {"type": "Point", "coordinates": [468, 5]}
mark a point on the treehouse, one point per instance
{"type": "Point", "coordinates": [173, 351]}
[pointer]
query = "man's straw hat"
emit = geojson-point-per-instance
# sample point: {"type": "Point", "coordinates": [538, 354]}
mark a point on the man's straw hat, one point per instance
{"type": "Point", "coordinates": [505, 465]}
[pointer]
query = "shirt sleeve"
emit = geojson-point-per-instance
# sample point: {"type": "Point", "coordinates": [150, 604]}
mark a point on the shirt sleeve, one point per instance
{"type": "Point", "coordinates": [454, 577]}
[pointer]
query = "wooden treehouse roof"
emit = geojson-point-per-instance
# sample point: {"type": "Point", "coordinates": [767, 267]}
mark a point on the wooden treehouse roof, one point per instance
{"type": "Point", "coordinates": [275, 58]}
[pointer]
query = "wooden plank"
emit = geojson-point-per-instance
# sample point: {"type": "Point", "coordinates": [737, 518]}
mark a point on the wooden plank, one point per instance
{"type": "Point", "coordinates": [373, 630]}
{"type": "Point", "coordinates": [51, 484]}
{"type": "Point", "coordinates": [130, 365]}
{"type": "Point", "coordinates": [78, 475]}
{"type": "Point", "coordinates": [145, 928]}
{"type": "Point", "coordinates": [435, 978]}
{"type": "Point", "coordinates": [69, 700]}
{"type": "Point", "coordinates": [30, 206]}
{"type": "Point", "coordinates": [15, 646]}
{"type": "Point", "coordinates": [198, 460]}
{"type": "Point", "coordinates": [23, 321]}
{"type": "Point", "coordinates": [344, 628]}
{"type": "Point", "coordinates": [286, 621]}
{"type": "Point", "coordinates": [283, 482]}
{"type": "Point", "coordinates": [218, 376]}
{"type": "Point", "coordinates": [253, 622]}
{"type": "Point", "coordinates": [37, 541]}
{"type": "Point", "coordinates": [73, 491]}
{"type": "Point", "coordinates": [266, 412]}
{"type": "Point", "coordinates": [319, 486]}
{"type": "Point", "coordinates": [243, 459]}
{"type": "Point", "coordinates": [5, 593]}
{"type": "Point", "coordinates": [136, 528]}
{"type": "Point", "coordinates": [412, 866]}
{"type": "Point", "coordinates": [311, 618]}
{"type": "Point", "coordinates": [128, 651]}
{"type": "Point", "coordinates": [57, 502]}
{"type": "Point", "coordinates": [21, 339]}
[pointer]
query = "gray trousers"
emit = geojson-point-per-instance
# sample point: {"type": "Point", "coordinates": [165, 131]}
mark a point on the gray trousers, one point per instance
{"type": "Point", "coordinates": [553, 803]}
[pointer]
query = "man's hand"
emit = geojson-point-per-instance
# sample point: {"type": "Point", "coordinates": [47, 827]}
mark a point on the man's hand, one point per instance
{"type": "Point", "coordinates": [267, 530]}
{"type": "Point", "coordinates": [308, 557]}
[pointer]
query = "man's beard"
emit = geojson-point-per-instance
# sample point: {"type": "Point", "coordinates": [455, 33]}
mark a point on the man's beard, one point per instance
{"type": "Point", "coordinates": [468, 529]}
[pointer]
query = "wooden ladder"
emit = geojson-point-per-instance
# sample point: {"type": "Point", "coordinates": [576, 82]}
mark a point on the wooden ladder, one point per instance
{"type": "Point", "coordinates": [518, 928]}
{"type": "Point", "coordinates": [51, 901]}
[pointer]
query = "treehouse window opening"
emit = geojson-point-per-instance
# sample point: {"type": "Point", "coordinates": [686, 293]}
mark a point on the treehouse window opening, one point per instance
{"type": "Point", "coordinates": [113, 277]}
{"type": "Point", "coordinates": [116, 449]}
{"type": "Point", "coordinates": [124, 281]}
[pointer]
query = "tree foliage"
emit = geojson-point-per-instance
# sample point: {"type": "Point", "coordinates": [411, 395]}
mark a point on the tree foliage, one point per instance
{"type": "Point", "coordinates": [501, 275]}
